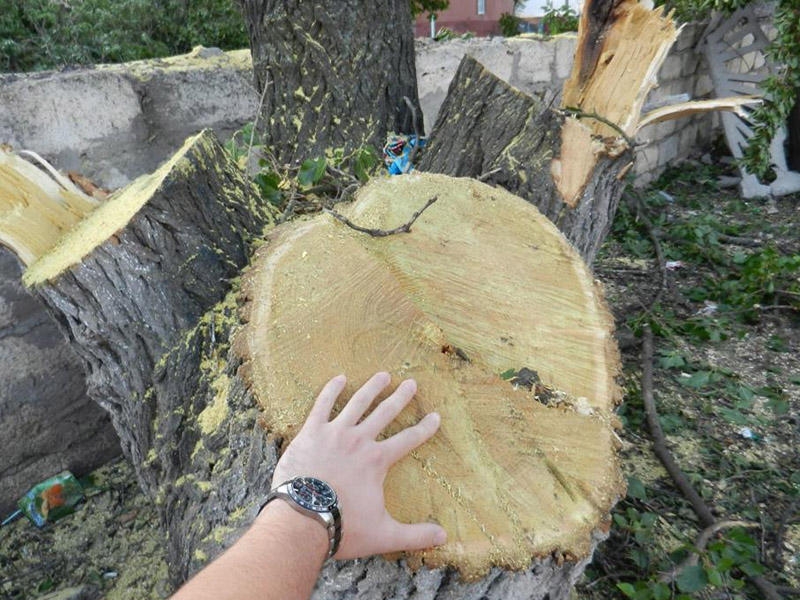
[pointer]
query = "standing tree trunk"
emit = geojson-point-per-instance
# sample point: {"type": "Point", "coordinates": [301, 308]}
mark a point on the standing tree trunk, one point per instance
{"type": "Point", "coordinates": [332, 74]}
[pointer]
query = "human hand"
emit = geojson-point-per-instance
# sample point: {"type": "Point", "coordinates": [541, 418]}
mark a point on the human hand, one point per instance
{"type": "Point", "coordinates": [345, 453]}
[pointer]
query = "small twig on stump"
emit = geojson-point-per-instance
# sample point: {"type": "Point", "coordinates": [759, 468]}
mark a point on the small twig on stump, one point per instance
{"type": "Point", "coordinates": [484, 176]}
{"type": "Point", "coordinates": [659, 441]}
{"type": "Point", "coordinates": [579, 114]}
{"type": "Point", "coordinates": [415, 150]}
{"type": "Point", "coordinates": [404, 228]}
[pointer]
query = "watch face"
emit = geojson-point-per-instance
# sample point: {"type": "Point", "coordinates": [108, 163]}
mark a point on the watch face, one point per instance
{"type": "Point", "coordinates": [312, 494]}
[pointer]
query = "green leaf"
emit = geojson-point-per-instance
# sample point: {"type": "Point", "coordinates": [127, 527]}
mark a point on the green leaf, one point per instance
{"type": "Point", "coordinates": [714, 576]}
{"type": "Point", "coordinates": [311, 171]}
{"type": "Point", "coordinates": [508, 374]}
{"type": "Point", "coordinates": [661, 591]}
{"type": "Point", "coordinates": [268, 184]}
{"type": "Point", "coordinates": [627, 589]}
{"type": "Point", "coordinates": [697, 380]}
{"type": "Point", "coordinates": [692, 579]}
{"type": "Point", "coordinates": [364, 164]}
{"type": "Point", "coordinates": [636, 489]}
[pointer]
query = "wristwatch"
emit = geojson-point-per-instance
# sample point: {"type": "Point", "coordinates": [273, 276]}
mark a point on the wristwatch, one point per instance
{"type": "Point", "coordinates": [314, 498]}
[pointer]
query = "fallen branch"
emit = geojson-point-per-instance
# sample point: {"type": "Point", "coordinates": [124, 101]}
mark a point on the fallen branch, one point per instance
{"type": "Point", "coordinates": [635, 202]}
{"type": "Point", "coordinates": [700, 545]}
{"type": "Point", "coordinates": [701, 509]}
{"type": "Point", "coordinates": [735, 240]}
{"type": "Point", "coordinates": [659, 441]}
{"type": "Point", "coordinates": [404, 228]}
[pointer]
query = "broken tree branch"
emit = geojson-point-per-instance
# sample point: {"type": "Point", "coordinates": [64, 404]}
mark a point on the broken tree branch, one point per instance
{"type": "Point", "coordinates": [700, 545]}
{"type": "Point", "coordinates": [404, 228]}
{"type": "Point", "coordinates": [701, 509]}
{"type": "Point", "coordinates": [580, 114]}
{"type": "Point", "coordinates": [659, 441]}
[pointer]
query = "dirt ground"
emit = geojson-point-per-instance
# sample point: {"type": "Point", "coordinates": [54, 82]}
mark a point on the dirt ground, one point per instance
{"type": "Point", "coordinates": [727, 387]}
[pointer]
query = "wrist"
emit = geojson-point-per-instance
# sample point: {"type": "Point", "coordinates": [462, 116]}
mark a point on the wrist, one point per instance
{"type": "Point", "coordinates": [297, 529]}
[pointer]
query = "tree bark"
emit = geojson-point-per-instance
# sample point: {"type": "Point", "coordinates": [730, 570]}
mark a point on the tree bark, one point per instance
{"type": "Point", "coordinates": [793, 137]}
{"type": "Point", "coordinates": [332, 74]}
{"type": "Point", "coordinates": [489, 130]}
{"type": "Point", "coordinates": [141, 270]}
{"type": "Point", "coordinates": [47, 423]}
{"type": "Point", "coordinates": [570, 162]}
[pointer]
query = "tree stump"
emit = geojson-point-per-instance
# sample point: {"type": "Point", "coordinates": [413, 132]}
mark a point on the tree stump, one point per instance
{"type": "Point", "coordinates": [207, 378]}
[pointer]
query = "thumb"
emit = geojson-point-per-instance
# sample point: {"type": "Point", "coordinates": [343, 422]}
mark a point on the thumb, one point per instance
{"type": "Point", "coordinates": [417, 536]}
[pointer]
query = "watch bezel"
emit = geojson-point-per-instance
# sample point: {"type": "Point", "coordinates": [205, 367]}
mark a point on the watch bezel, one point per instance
{"type": "Point", "coordinates": [317, 488]}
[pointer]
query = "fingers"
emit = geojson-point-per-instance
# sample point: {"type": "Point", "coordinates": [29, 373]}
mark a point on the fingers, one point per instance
{"type": "Point", "coordinates": [416, 536]}
{"type": "Point", "coordinates": [321, 411]}
{"type": "Point", "coordinates": [362, 399]}
{"type": "Point", "coordinates": [387, 411]}
{"type": "Point", "coordinates": [400, 444]}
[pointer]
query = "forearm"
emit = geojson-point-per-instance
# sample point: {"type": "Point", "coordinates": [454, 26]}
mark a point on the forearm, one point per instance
{"type": "Point", "coordinates": [278, 558]}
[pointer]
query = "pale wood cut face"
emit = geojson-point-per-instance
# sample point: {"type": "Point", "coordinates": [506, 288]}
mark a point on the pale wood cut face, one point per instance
{"type": "Point", "coordinates": [481, 271]}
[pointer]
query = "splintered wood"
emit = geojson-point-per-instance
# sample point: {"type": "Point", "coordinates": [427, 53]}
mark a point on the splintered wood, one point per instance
{"type": "Point", "coordinates": [482, 284]}
{"type": "Point", "coordinates": [36, 206]}
{"type": "Point", "coordinates": [621, 47]}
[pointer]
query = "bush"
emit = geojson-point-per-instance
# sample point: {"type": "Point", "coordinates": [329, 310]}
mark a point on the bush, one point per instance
{"type": "Point", "coordinates": [46, 34]}
{"type": "Point", "coordinates": [509, 25]}
{"type": "Point", "coordinates": [559, 19]}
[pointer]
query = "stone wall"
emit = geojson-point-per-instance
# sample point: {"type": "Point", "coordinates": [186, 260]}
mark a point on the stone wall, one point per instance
{"type": "Point", "coordinates": [116, 122]}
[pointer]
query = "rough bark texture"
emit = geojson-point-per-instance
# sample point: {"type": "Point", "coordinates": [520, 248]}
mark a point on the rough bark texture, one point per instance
{"type": "Point", "coordinates": [47, 422]}
{"type": "Point", "coordinates": [132, 297]}
{"type": "Point", "coordinates": [793, 138]}
{"type": "Point", "coordinates": [490, 130]}
{"type": "Point", "coordinates": [335, 73]}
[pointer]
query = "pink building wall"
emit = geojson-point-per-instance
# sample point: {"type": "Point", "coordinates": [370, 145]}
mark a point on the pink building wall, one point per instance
{"type": "Point", "coordinates": [462, 16]}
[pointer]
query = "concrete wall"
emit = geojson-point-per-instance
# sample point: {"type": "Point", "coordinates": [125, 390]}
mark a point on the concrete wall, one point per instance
{"type": "Point", "coordinates": [113, 123]}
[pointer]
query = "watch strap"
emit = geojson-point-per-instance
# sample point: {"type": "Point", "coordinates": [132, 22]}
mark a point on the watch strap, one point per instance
{"type": "Point", "coordinates": [330, 519]}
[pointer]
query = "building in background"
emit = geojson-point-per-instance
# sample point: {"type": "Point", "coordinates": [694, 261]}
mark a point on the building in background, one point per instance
{"type": "Point", "coordinates": [467, 16]}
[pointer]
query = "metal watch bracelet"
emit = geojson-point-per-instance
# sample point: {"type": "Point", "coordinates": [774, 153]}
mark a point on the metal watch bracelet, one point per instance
{"type": "Point", "coordinates": [330, 518]}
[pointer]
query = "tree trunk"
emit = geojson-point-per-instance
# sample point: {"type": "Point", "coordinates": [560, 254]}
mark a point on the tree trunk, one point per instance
{"type": "Point", "coordinates": [522, 480]}
{"type": "Point", "coordinates": [48, 422]}
{"type": "Point", "coordinates": [569, 162]}
{"type": "Point", "coordinates": [332, 74]}
{"type": "Point", "coordinates": [179, 235]}
{"type": "Point", "coordinates": [489, 130]}
{"type": "Point", "coordinates": [793, 137]}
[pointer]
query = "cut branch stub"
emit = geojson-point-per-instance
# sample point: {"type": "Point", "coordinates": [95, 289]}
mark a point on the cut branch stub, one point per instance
{"type": "Point", "coordinates": [482, 284]}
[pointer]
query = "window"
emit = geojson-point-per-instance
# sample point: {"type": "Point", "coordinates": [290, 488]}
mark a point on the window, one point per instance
{"type": "Point", "coordinates": [481, 7]}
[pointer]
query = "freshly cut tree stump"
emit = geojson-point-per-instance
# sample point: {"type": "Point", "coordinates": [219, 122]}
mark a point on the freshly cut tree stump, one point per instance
{"type": "Point", "coordinates": [131, 277]}
{"type": "Point", "coordinates": [207, 379]}
{"type": "Point", "coordinates": [482, 284]}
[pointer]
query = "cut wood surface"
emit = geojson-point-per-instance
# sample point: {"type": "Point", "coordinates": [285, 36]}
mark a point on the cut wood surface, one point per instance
{"type": "Point", "coordinates": [482, 284]}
